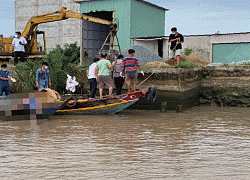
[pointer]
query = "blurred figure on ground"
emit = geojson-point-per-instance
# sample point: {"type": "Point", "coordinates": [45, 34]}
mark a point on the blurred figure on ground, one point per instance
{"type": "Point", "coordinates": [119, 77]}
{"type": "Point", "coordinates": [42, 77]}
{"type": "Point", "coordinates": [4, 80]}
{"type": "Point", "coordinates": [176, 40]}
{"type": "Point", "coordinates": [92, 78]}
{"type": "Point", "coordinates": [131, 64]}
{"type": "Point", "coordinates": [102, 72]}
{"type": "Point", "coordinates": [18, 44]}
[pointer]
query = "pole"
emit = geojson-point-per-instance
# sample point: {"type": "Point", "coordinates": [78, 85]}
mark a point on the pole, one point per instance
{"type": "Point", "coordinates": [81, 48]}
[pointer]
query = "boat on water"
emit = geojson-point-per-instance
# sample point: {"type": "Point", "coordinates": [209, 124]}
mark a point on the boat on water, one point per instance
{"type": "Point", "coordinates": [80, 105]}
{"type": "Point", "coordinates": [30, 106]}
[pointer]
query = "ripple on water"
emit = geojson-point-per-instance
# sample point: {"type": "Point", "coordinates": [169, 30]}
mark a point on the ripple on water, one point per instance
{"type": "Point", "coordinates": [201, 143]}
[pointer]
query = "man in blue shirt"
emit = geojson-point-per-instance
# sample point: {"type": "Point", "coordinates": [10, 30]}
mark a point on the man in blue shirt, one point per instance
{"type": "Point", "coordinates": [4, 80]}
{"type": "Point", "coordinates": [18, 45]}
{"type": "Point", "coordinates": [42, 77]}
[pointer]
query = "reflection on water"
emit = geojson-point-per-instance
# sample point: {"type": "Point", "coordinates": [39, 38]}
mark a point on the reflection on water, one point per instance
{"type": "Point", "coordinates": [201, 143]}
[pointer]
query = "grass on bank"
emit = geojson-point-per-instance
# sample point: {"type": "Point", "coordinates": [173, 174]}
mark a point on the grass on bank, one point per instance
{"type": "Point", "coordinates": [186, 64]}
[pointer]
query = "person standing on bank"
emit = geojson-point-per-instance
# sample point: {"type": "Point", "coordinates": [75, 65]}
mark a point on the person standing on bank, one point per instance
{"type": "Point", "coordinates": [92, 78]}
{"type": "Point", "coordinates": [102, 72]}
{"type": "Point", "coordinates": [118, 76]}
{"type": "Point", "coordinates": [18, 44]}
{"type": "Point", "coordinates": [176, 40]}
{"type": "Point", "coordinates": [131, 64]}
{"type": "Point", "coordinates": [42, 77]}
{"type": "Point", "coordinates": [4, 80]}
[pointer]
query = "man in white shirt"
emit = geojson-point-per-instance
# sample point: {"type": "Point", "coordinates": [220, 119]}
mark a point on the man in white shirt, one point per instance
{"type": "Point", "coordinates": [18, 44]}
{"type": "Point", "coordinates": [92, 78]}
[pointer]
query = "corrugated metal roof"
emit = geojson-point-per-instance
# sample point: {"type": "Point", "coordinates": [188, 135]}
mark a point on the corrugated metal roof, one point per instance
{"type": "Point", "coordinates": [143, 1]}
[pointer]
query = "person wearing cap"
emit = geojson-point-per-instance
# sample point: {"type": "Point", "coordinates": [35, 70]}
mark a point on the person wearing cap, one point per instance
{"type": "Point", "coordinates": [4, 80]}
{"type": "Point", "coordinates": [42, 77]}
{"type": "Point", "coordinates": [18, 44]}
{"type": "Point", "coordinates": [102, 72]}
{"type": "Point", "coordinates": [92, 78]}
{"type": "Point", "coordinates": [131, 64]}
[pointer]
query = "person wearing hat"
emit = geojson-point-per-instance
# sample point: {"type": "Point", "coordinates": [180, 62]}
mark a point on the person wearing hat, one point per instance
{"type": "Point", "coordinates": [42, 77]}
{"type": "Point", "coordinates": [4, 80]}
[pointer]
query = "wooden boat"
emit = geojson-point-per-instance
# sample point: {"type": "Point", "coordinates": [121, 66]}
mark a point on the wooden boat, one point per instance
{"type": "Point", "coordinates": [80, 105]}
{"type": "Point", "coordinates": [29, 106]}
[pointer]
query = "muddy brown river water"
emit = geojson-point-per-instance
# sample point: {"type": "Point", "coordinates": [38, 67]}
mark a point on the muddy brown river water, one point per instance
{"type": "Point", "coordinates": [201, 143]}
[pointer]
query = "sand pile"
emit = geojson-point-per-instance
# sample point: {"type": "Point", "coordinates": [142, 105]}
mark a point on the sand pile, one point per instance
{"type": "Point", "coordinates": [191, 58]}
{"type": "Point", "coordinates": [157, 63]}
{"type": "Point", "coordinates": [143, 55]}
{"type": "Point", "coordinates": [194, 58]}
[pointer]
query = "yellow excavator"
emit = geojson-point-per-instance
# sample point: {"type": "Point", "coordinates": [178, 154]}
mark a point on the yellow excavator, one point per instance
{"type": "Point", "coordinates": [30, 32]}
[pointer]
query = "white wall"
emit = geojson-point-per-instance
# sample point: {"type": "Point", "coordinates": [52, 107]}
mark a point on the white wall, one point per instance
{"type": "Point", "coordinates": [202, 45]}
{"type": "Point", "coordinates": [60, 32]}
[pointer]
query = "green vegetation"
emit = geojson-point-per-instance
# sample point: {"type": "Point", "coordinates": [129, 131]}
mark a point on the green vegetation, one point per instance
{"type": "Point", "coordinates": [218, 32]}
{"type": "Point", "coordinates": [225, 64]}
{"type": "Point", "coordinates": [187, 64]}
{"type": "Point", "coordinates": [246, 64]}
{"type": "Point", "coordinates": [187, 51]}
{"type": "Point", "coordinates": [1, 35]}
{"type": "Point", "coordinates": [62, 61]}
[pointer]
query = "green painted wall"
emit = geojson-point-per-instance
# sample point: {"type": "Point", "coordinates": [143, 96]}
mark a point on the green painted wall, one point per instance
{"type": "Point", "coordinates": [122, 12]}
{"type": "Point", "coordinates": [228, 53]}
{"type": "Point", "coordinates": [136, 19]}
{"type": "Point", "coordinates": [146, 20]}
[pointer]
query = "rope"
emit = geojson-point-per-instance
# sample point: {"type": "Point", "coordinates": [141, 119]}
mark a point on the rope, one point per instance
{"type": "Point", "coordinates": [150, 75]}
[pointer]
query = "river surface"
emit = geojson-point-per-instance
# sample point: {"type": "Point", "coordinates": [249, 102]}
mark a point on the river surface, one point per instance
{"type": "Point", "coordinates": [201, 143]}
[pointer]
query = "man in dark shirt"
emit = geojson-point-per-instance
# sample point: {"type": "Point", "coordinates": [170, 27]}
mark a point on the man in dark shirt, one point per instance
{"type": "Point", "coordinates": [4, 80]}
{"type": "Point", "coordinates": [176, 40]}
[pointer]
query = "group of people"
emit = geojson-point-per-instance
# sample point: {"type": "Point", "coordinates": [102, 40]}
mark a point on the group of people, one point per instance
{"type": "Point", "coordinates": [123, 69]}
{"type": "Point", "coordinates": [105, 74]}
{"type": "Point", "coordinates": [43, 80]}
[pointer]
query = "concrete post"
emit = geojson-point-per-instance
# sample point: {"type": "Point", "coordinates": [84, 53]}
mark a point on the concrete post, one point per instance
{"type": "Point", "coordinates": [81, 48]}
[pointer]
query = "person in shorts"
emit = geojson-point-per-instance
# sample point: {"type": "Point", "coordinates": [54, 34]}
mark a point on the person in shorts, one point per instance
{"type": "Point", "coordinates": [176, 40]}
{"type": "Point", "coordinates": [131, 64]}
{"type": "Point", "coordinates": [102, 72]}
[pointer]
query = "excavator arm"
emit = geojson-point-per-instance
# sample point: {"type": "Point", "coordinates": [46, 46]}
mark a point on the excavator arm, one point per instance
{"type": "Point", "coordinates": [62, 14]}
{"type": "Point", "coordinates": [30, 33]}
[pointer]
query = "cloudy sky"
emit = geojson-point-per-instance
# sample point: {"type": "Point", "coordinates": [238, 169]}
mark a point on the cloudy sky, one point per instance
{"type": "Point", "coordinates": [189, 16]}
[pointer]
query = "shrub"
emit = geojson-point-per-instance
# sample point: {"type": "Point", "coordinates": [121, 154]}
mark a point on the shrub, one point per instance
{"type": "Point", "coordinates": [187, 64]}
{"type": "Point", "coordinates": [187, 51]}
